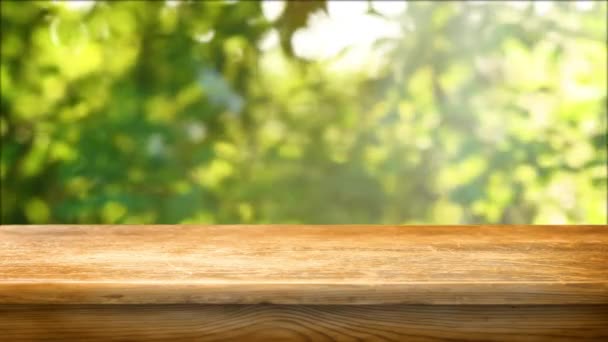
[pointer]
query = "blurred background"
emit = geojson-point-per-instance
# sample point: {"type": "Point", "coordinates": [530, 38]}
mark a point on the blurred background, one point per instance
{"type": "Point", "coordinates": [303, 112]}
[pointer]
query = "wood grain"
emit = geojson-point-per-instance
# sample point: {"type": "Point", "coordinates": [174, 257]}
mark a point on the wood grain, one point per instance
{"type": "Point", "coordinates": [302, 323]}
{"type": "Point", "coordinates": [304, 264]}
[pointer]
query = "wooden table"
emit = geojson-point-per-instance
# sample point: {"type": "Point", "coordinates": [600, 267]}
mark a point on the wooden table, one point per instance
{"type": "Point", "coordinates": [281, 282]}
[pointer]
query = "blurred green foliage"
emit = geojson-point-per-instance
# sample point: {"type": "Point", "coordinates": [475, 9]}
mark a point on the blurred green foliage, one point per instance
{"type": "Point", "coordinates": [183, 112]}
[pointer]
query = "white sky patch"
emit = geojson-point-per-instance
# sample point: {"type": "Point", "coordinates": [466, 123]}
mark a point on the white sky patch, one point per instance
{"type": "Point", "coordinates": [389, 8]}
{"type": "Point", "coordinates": [156, 145]}
{"type": "Point", "coordinates": [474, 17]}
{"type": "Point", "coordinates": [172, 3]}
{"type": "Point", "coordinates": [519, 4]}
{"type": "Point", "coordinates": [196, 131]}
{"type": "Point", "coordinates": [346, 9]}
{"type": "Point", "coordinates": [584, 5]}
{"type": "Point", "coordinates": [272, 9]}
{"type": "Point", "coordinates": [77, 5]}
{"type": "Point", "coordinates": [542, 7]}
{"type": "Point", "coordinates": [564, 192]}
{"type": "Point", "coordinates": [347, 26]}
{"type": "Point", "coordinates": [478, 2]}
{"type": "Point", "coordinates": [205, 37]}
{"type": "Point", "coordinates": [269, 41]}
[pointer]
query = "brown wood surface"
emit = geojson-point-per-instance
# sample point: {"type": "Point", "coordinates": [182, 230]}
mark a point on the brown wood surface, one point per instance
{"type": "Point", "coordinates": [304, 264]}
{"type": "Point", "coordinates": [302, 323]}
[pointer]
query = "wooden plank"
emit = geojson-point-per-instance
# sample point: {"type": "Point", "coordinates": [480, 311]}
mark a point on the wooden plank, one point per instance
{"type": "Point", "coordinates": [304, 264]}
{"type": "Point", "coordinates": [302, 323]}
